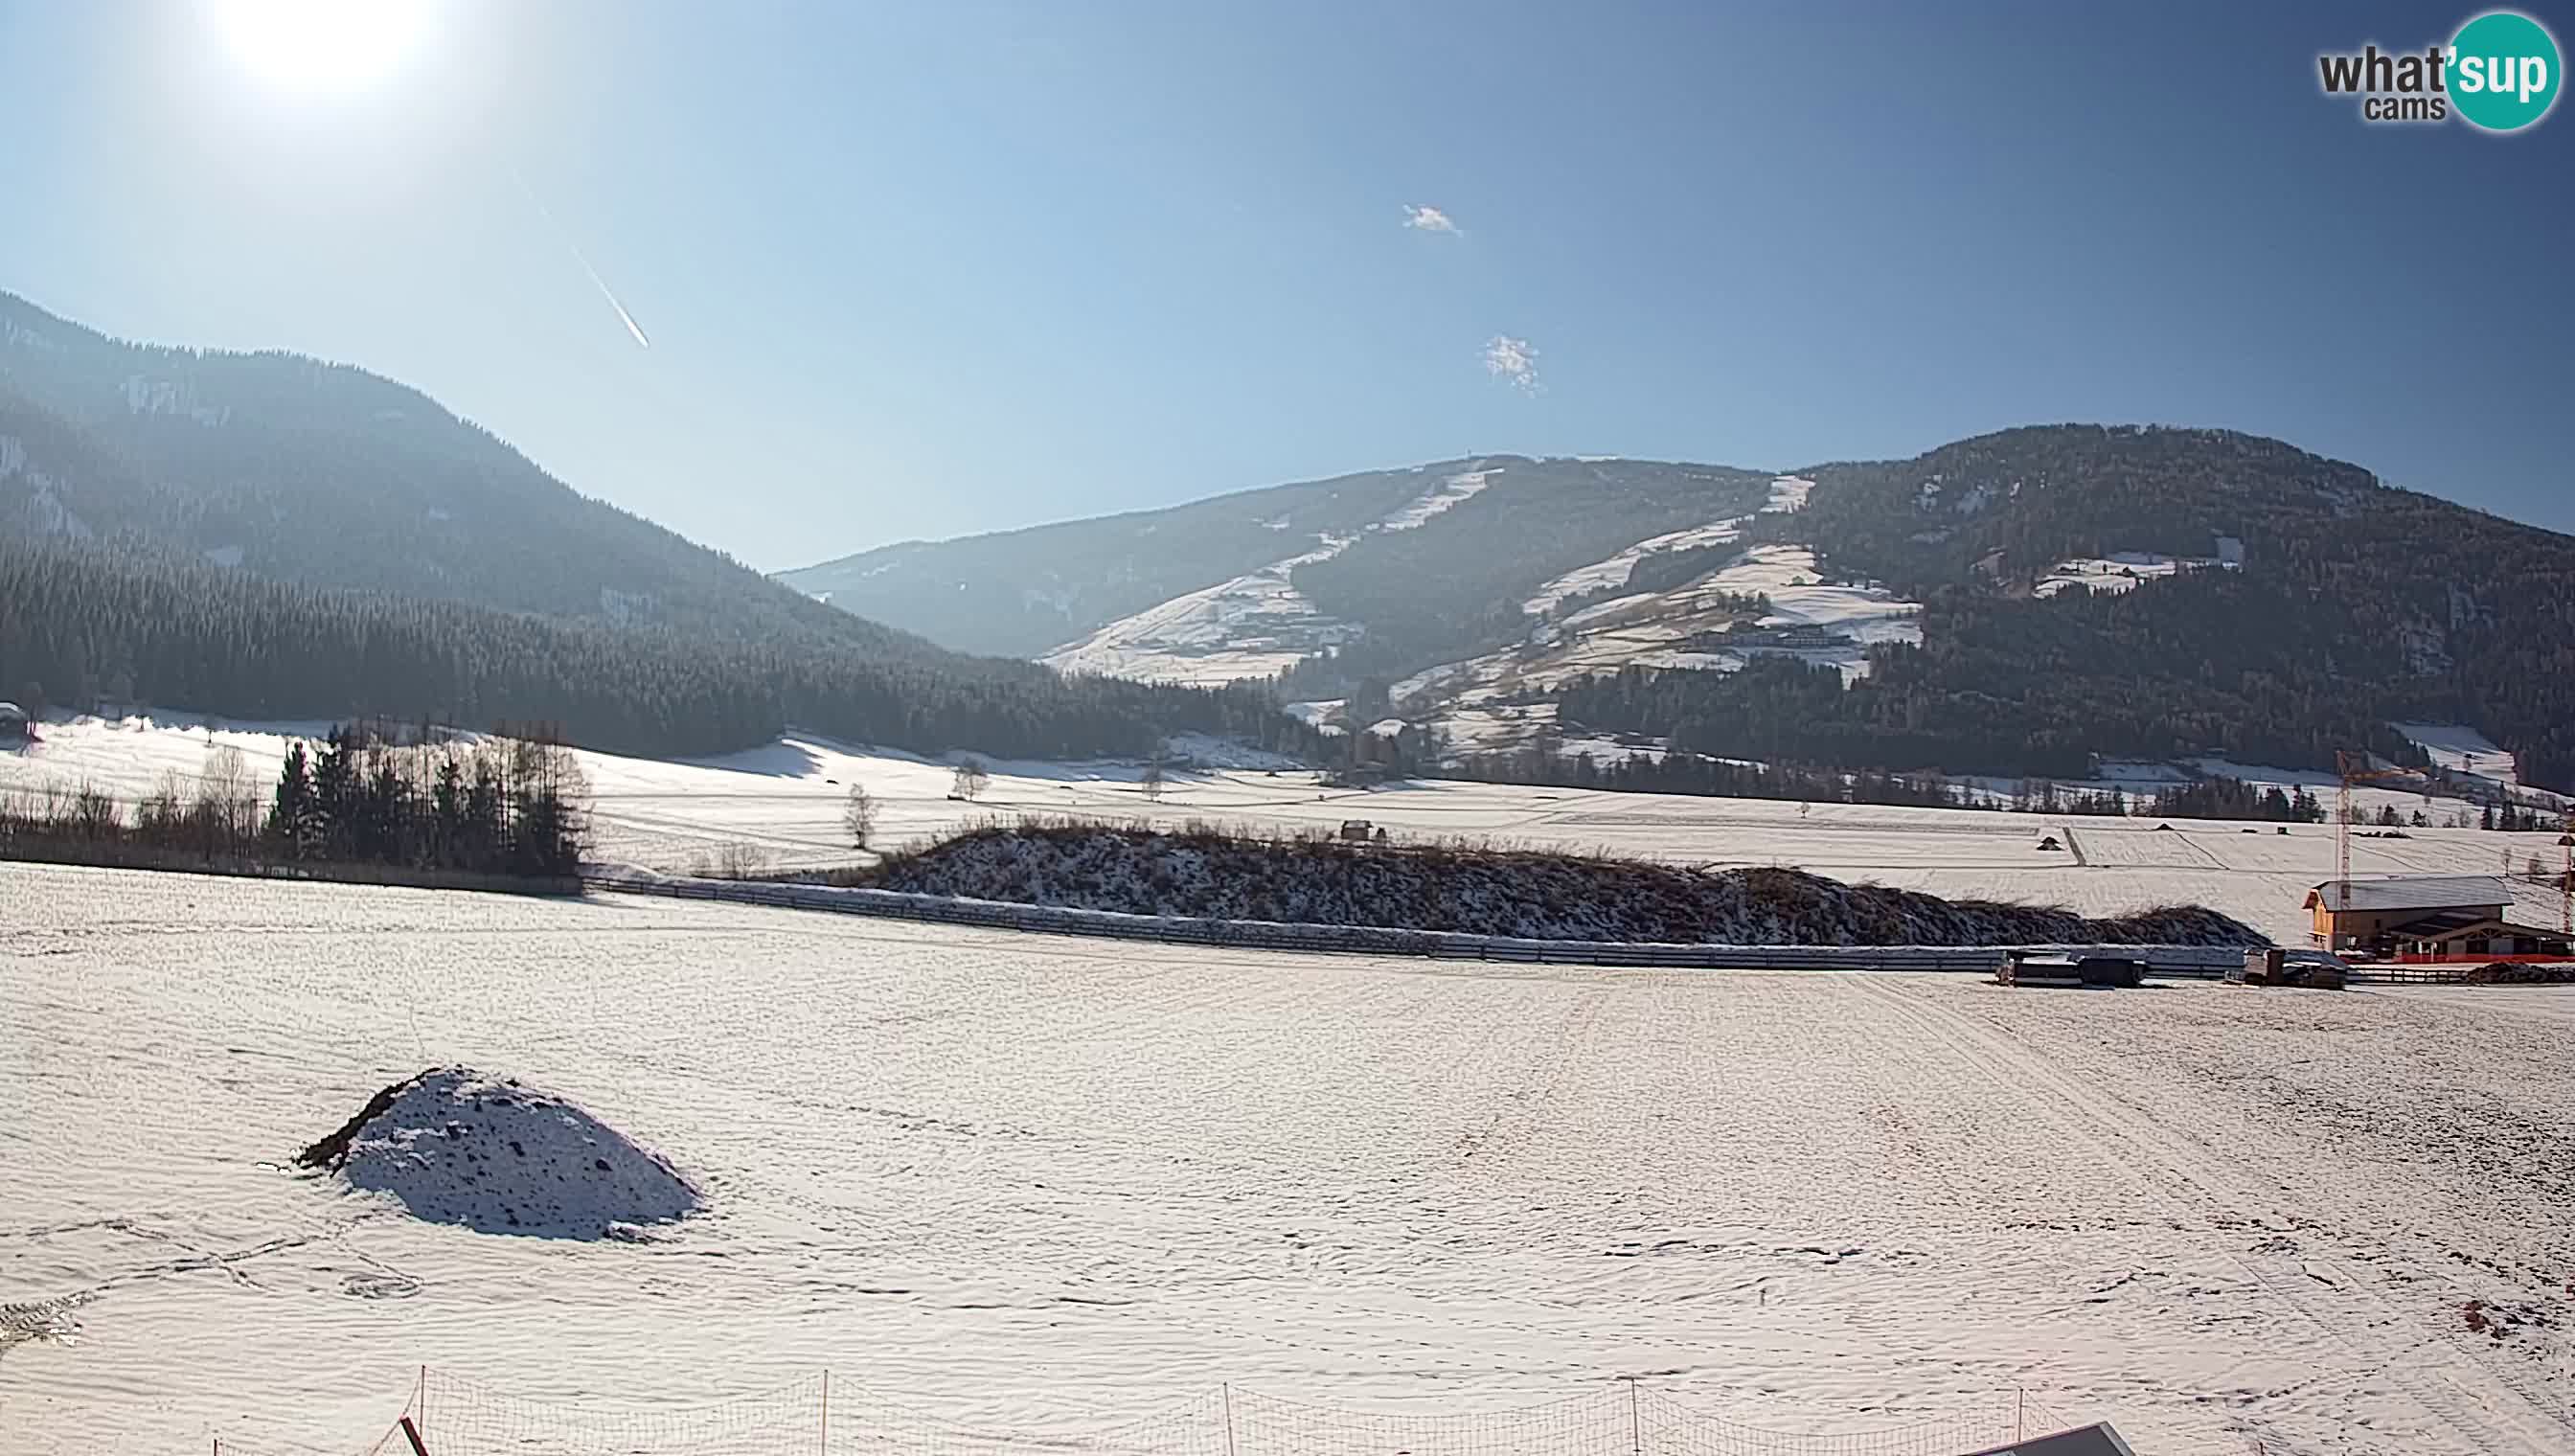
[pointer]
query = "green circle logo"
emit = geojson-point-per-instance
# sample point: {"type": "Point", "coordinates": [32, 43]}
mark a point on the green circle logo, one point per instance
{"type": "Point", "coordinates": [2503, 71]}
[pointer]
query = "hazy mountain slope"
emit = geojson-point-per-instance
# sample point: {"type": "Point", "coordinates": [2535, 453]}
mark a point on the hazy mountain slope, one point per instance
{"type": "Point", "coordinates": [1395, 568]}
{"type": "Point", "coordinates": [329, 476]}
{"type": "Point", "coordinates": [1024, 592]}
{"type": "Point", "coordinates": [267, 535]}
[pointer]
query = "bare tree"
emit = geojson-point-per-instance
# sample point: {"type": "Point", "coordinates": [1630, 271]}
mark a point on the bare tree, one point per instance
{"type": "Point", "coordinates": [226, 798]}
{"type": "Point", "coordinates": [859, 815]}
{"type": "Point", "coordinates": [971, 780]}
{"type": "Point", "coordinates": [1153, 781]}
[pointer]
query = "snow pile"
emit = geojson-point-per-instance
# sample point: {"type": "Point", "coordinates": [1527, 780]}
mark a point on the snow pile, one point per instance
{"type": "Point", "coordinates": [1204, 872]}
{"type": "Point", "coordinates": [456, 1146]}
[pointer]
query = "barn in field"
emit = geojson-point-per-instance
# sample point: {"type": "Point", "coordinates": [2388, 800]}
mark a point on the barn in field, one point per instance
{"type": "Point", "coordinates": [2425, 914]}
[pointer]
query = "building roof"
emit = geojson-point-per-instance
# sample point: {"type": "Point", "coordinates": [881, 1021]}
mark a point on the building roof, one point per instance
{"type": "Point", "coordinates": [2414, 892]}
{"type": "Point", "coordinates": [2451, 923]}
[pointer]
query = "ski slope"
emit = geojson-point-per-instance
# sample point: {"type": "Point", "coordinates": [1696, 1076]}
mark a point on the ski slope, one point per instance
{"type": "Point", "coordinates": [780, 806]}
{"type": "Point", "coordinates": [1253, 626]}
{"type": "Point", "coordinates": [1048, 1185]}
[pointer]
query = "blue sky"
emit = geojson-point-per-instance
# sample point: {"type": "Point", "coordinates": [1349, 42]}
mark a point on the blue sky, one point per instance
{"type": "Point", "coordinates": [923, 270]}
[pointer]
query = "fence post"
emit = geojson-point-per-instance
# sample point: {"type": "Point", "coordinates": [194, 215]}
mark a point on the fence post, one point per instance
{"type": "Point", "coordinates": [2020, 1403]}
{"type": "Point", "coordinates": [826, 1411]}
{"type": "Point", "coordinates": [1635, 1436]}
{"type": "Point", "coordinates": [1229, 1418]}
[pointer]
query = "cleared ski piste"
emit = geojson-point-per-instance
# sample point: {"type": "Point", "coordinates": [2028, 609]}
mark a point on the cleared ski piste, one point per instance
{"type": "Point", "coordinates": [781, 804]}
{"type": "Point", "coordinates": [1049, 1185]}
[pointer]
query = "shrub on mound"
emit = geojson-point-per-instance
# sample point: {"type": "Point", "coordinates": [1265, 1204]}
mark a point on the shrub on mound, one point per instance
{"type": "Point", "coordinates": [456, 1146]}
{"type": "Point", "coordinates": [1201, 872]}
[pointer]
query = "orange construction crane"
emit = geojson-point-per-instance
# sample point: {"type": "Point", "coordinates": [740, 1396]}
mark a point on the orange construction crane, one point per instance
{"type": "Point", "coordinates": [2354, 768]}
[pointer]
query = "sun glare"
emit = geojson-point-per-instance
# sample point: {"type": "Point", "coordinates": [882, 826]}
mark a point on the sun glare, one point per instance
{"type": "Point", "coordinates": [321, 45]}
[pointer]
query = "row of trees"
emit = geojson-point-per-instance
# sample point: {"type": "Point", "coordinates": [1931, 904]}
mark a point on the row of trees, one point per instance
{"type": "Point", "coordinates": [362, 795]}
{"type": "Point", "coordinates": [2233, 798]}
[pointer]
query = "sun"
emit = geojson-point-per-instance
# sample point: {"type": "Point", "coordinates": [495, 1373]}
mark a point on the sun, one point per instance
{"type": "Point", "coordinates": [321, 45]}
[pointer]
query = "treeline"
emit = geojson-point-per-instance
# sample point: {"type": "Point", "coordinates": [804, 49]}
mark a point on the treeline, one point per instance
{"type": "Point", "coordinates": [2215, 798]}
{"type": "Point", "coordinates": [82, 624]}
{"type": "Point", "coordinates": [1545, 764]}
{"type": "Point", "coordinates": [501, 805]}
{"type": "Point", "coordinates": [2233, 798]}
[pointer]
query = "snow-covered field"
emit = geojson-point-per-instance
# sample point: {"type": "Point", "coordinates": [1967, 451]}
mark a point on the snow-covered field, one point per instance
{"type": "Point", "coordinates": [2462, 750]}
{"type": "Point", "coordinates": [1051, 1184]}
{"type": "Point", "coordinates": [781, 805]}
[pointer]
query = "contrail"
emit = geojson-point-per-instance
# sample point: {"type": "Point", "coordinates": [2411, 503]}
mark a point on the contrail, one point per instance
{"type": "Point", "coordinates": [580, 258]}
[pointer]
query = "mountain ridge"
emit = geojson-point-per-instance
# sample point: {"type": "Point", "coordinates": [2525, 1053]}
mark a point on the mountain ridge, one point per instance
{"type": "Point", "coordinates": [1974, 582]}
{"type": "Point", "coordinates": [424, 566]}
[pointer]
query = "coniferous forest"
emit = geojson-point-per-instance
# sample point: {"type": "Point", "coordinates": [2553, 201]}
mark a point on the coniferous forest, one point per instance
{"type": "Point", "coordinates": [83, 626]}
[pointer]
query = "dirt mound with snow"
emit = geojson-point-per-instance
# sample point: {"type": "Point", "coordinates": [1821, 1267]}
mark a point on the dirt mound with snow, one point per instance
{"type": "Point", "coordinates": [456, 1146]}
{"type": "Point", "coordinates": [1204, 872]}
{"type": "Point", "coordinates": [2520, 974]}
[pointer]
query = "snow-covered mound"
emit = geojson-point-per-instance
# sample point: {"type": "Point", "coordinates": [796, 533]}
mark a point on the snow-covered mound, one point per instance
{"type": "Point", "coordinates": [1204, 872]}
{"type": "Point", "coordinates": [456, 1146]}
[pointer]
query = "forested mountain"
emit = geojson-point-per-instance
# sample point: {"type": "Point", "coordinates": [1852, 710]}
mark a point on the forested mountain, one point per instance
{"type": "Point", "coordinates": [2323, 605]}
{"type": "Point", "coordinates": [2019, 602]}
{"type": "Point", "coordinates": [1421, 563]}
{"type": "Point", "coordinates": [270, 536]}
{"type": "Point", "coordinates": [1020, 592]}
{"type": "Point", "coordinates": [328, 475]}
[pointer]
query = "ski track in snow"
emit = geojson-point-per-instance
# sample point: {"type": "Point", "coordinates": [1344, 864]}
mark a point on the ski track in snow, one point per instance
{"type": "Point", "coordinates": [1038, 1182]}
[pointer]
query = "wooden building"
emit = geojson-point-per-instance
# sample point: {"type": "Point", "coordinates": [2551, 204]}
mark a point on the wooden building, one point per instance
{"type": "Point", "coordinates": [2425, 914]}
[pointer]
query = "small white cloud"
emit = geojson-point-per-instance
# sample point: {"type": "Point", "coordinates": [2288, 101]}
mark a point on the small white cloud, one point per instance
{"type": "Point", "coordinates": [1428, 219]}
{"type": "Point", "coordinates": [1512, 361]}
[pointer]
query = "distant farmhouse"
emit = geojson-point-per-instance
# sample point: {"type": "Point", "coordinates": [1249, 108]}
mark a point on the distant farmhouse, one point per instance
{"type": "Point", "coordinates": [2425, 914]}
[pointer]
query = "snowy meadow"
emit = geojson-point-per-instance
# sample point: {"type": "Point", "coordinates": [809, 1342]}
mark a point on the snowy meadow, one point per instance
{"type": "Point", "coordinates": [1051, 1185]}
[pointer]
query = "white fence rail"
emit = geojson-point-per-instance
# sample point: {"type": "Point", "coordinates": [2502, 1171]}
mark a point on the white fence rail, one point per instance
{"type": "Point", "coordinates": [2194, 961]}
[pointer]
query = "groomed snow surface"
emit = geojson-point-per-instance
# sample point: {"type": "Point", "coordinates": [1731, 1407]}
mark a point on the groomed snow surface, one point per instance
{"type": "Point", "coordinates": [1052, 1185]}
